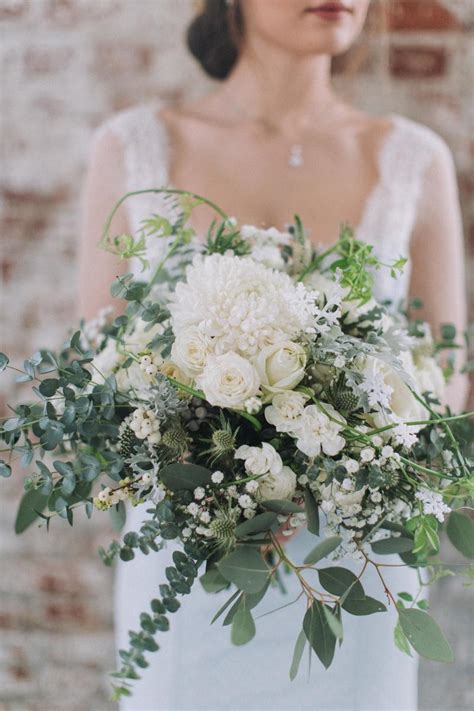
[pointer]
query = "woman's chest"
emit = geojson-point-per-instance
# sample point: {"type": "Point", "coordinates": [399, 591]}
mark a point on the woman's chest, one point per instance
{"type": "Point", "coordinates": [254, 181]}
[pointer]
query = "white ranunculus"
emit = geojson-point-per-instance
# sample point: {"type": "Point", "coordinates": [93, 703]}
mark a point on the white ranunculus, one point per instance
{"type": "Point", "coordinates": [285, 410]}
{"type": "Point", "coordinates": [190, 351]}
{"type": "Point", "coordinates": [259, 460]}
{"type": "Point", "coordinates": [281, 366]}
{"type": "Point", "coordinates": [317, 431]}
{"type": "Point", "coordinates": [402, 404]}
{"type": "Point", "coordinates": [429, 377]}
{"type": "Point", "coordinates": [228, 380]}
{"type": "Point", "coordinates": [277, 486]}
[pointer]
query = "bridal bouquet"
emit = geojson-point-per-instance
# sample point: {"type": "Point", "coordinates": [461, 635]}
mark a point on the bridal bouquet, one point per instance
{"type": "Point", "coordinates": [252, 386]}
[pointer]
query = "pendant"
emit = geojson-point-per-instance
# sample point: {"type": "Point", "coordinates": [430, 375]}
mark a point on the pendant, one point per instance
{"type": "Point", "coordinates": [295, 159]}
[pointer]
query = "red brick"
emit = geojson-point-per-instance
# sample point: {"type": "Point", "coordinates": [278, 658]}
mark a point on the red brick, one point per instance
{"type": "Point", "coordinates": [46, 60]}
{"type": "Point", "coordinates": [421, 15]}
{"type": "Point", "coordinates": [417, 62]}
{"type": "Point", "coordinates": [12, 9]}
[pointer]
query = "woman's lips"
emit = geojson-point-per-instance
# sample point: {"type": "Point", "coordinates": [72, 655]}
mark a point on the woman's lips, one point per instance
{"type": "Point", "coordinates": [329, 10]}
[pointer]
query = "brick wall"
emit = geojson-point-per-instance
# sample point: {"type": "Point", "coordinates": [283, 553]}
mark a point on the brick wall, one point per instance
{"type": "Point", "coordinates": [65, 65]}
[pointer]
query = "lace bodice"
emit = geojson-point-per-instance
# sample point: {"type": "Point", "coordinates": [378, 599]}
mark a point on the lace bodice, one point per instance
{"type": "Point", "coordinates": [390, 211]}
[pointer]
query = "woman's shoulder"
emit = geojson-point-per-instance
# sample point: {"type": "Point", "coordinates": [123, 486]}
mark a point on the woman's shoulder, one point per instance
{"type": "Point", "coordinates": [419, 141]}
{"type": "Point", "coordinates": [130, 122]}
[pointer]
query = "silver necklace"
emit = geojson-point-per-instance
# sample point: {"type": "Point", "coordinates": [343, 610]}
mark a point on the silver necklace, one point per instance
{"type": "Point", "coordinates": [295, 152]}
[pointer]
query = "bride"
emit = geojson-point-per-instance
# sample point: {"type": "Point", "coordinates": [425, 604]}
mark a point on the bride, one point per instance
{"type": "Point", "coordinates": [273, 140]}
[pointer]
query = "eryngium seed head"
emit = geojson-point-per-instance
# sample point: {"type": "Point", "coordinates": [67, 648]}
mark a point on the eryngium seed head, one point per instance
{"type": "Point", "coordinates": [223, 441]}
{"type": "Point", "coordinates": [392, 478]}
{"type": "Point", "coordinates": [127, 441]}
{"type": "Point", "coordinates": [175, 439]}
{"type": "Point", "coordinates": [223, 529]}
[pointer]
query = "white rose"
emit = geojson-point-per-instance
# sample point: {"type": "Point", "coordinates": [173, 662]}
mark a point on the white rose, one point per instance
{"type": "Point", "coordinates": [260, 460]}
{"type": "Point", "coordinates": [317, 431]}
{"type": "Point", "coordinates": [277, 486]}
{"type": "Point", "coordinates": [190, 351]}
{"type": "Point", "coordinates": [429, 377]}
{"type": "Point", "coordinates": [402, 404]}
{"type": "Point", "coordinates": [285, 410]}
{"type": "Point", "coordinates": [228, 380]}
{"type": "Point", "coordinates": [281, 366]}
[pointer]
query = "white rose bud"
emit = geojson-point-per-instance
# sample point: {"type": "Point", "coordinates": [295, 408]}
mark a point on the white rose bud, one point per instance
{"type": "Point", "coordinates": [281, 366]}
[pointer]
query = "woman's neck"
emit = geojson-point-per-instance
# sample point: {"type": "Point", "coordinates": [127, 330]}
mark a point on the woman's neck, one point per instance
{"type": "Point", "coordinates": [280, 90]}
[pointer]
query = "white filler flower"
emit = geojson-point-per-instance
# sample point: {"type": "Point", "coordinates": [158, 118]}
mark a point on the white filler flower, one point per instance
{"type": "Point", "coordinates": [241, 305]}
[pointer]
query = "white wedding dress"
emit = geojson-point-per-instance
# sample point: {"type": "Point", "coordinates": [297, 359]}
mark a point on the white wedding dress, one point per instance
{"type": "Point", "coordinates": [197, 667]}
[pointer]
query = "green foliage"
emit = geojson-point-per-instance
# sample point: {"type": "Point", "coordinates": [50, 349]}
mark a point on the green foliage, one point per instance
{"type": "Point", "coordinates": [297, 655]}
{"type": "Point", "coordinates": [312, 512]}
{"type": "Point", "coordinates": [184, 476]}
{"type": "Point", "coordinates": [460, 530]}
{"type": "Point", "coordinates": [319, 633]}
{"type": "Point", "coordinates": [32, 503]}
{"type": "Point", "coordinates": [327, 546]}
{"type": "Point", "coordinates": [245, 568]}
{"type": "Point", "coordinates": [257, 524]}
{"type": "Point", "coordinates": [282, 506]}
{"type": "Point", "coordinates": [424, 635]}
{"type": "Point", "coordinates": [388, 546]}
{"type": "Point", "coordinates": [243, 625]}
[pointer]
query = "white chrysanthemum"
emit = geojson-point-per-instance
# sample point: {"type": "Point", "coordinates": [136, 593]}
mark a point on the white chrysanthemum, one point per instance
{"type": "Point", "coordinates": [241, 305]}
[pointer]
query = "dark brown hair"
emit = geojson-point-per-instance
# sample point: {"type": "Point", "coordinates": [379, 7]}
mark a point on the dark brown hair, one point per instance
{"type": "Point", "coordinates": [214, 37]}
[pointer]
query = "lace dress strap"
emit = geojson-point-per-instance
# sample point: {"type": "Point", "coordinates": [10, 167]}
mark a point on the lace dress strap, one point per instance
{"type": "Point", "coordinates": [391, 210]}
{"type": "Point", "coordinates": [145, 144]}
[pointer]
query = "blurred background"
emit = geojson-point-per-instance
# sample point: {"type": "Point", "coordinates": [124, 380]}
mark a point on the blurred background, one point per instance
{"type": "Point", "coordinates": [66, 65]}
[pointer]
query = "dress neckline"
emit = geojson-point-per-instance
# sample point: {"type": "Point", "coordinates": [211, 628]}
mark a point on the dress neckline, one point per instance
{"type": "Point", "coordinates": [373, 197]}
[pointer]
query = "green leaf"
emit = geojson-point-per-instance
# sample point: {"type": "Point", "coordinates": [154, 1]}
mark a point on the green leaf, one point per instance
{"type": "Point", "coordinates": [319, 634]}
{"type": "Point", "coordinates": [323, 549]}
{"type": "Point", "coordinates": [230, 615]}
{"type": "Point", "coordinates": [245, 568]}
{"type": "Point", "coordinates": [400, 640]}
{"type": "Point", "coordinates": [425, 636]}
{"type": "Point", "coordinates": [282, 506]}
{"type": "Point", "coordinates": [213, 581]}
{"type": "Point", "coordinates": [261, 522]}
{"type": "Point", "coordinates": [388, 546]}
{"type": "Point", "coordinates": [5, 470]}
{"type": "Point", "coordinates": [184, 476]}
{"type": "Point", "coordinates": [30, 503]}
{"type": "Point", "coordinates": [243, 626]}
{"type": "Point", "coordinates": [367, 606]}
{"type": "Point", "coordinates": [48, 386]}
{"type": "Point", "coordinates": [460, 530]}
{"type": "Point", "coordinates": [118, 516]}
{"type": "Point", "coordinates": [297, 654]}
{"type": "Point", "coordinates": [4, 360]}
{"type": "Point", "coordinates": [312, 512]}
{"type": "Point", "coordinates": [340, 581]}
{"type": "Point", "coordinates": [334, 623]}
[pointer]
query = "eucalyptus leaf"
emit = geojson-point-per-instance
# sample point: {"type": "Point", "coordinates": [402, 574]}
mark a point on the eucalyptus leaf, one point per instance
{"type": "Point", "coordinates": [341, 581]}
{"type": "Point", "coordinates": [4, 360]}
{"type": "Point", "coordinates": [184, 476]}
{"type": "Point", "coordinates": [323, 549]}
{"type": "Point", "coordinates": [334, 623]}
{"type": "Point", "coordinates": [366, 606]}
{"type": "Point", "coordinates": [297, 654]}
{"type": "Point", "coordinates": [31, 502]}
{"type": "Point", "coordinates": [213, 581]}
{"type": "Point", "coordinates": [243, 625]}
{"type": "Point", "coordinates": [388, 546]}
{"type": "Point", "coordinates": [400, 640]}
{"type": "Point", "coordinates": [257, 524]}
{"type": "Point", "coordinates": [425, 636]}
{"type": "Point", "coordinates": [282, 506]}
{"type": "Point", "coordinates": [118, 516]}
{"type": "Point", "coordinates": [460, 530]}
{"type": "Point", "coordinates": [312, 512]}
{"type": "Point", "coordinates": [5, 470]}
{"type": "Point", "coordinates": [245, 568]}
{"type": "Point", "coordinates": [319, 634]}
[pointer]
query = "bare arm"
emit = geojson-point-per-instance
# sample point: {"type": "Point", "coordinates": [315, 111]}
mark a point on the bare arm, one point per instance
{"type": "Point", "coordinates": [103, 186]}
{"type": "Point", "coordinates": [438, 277]}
